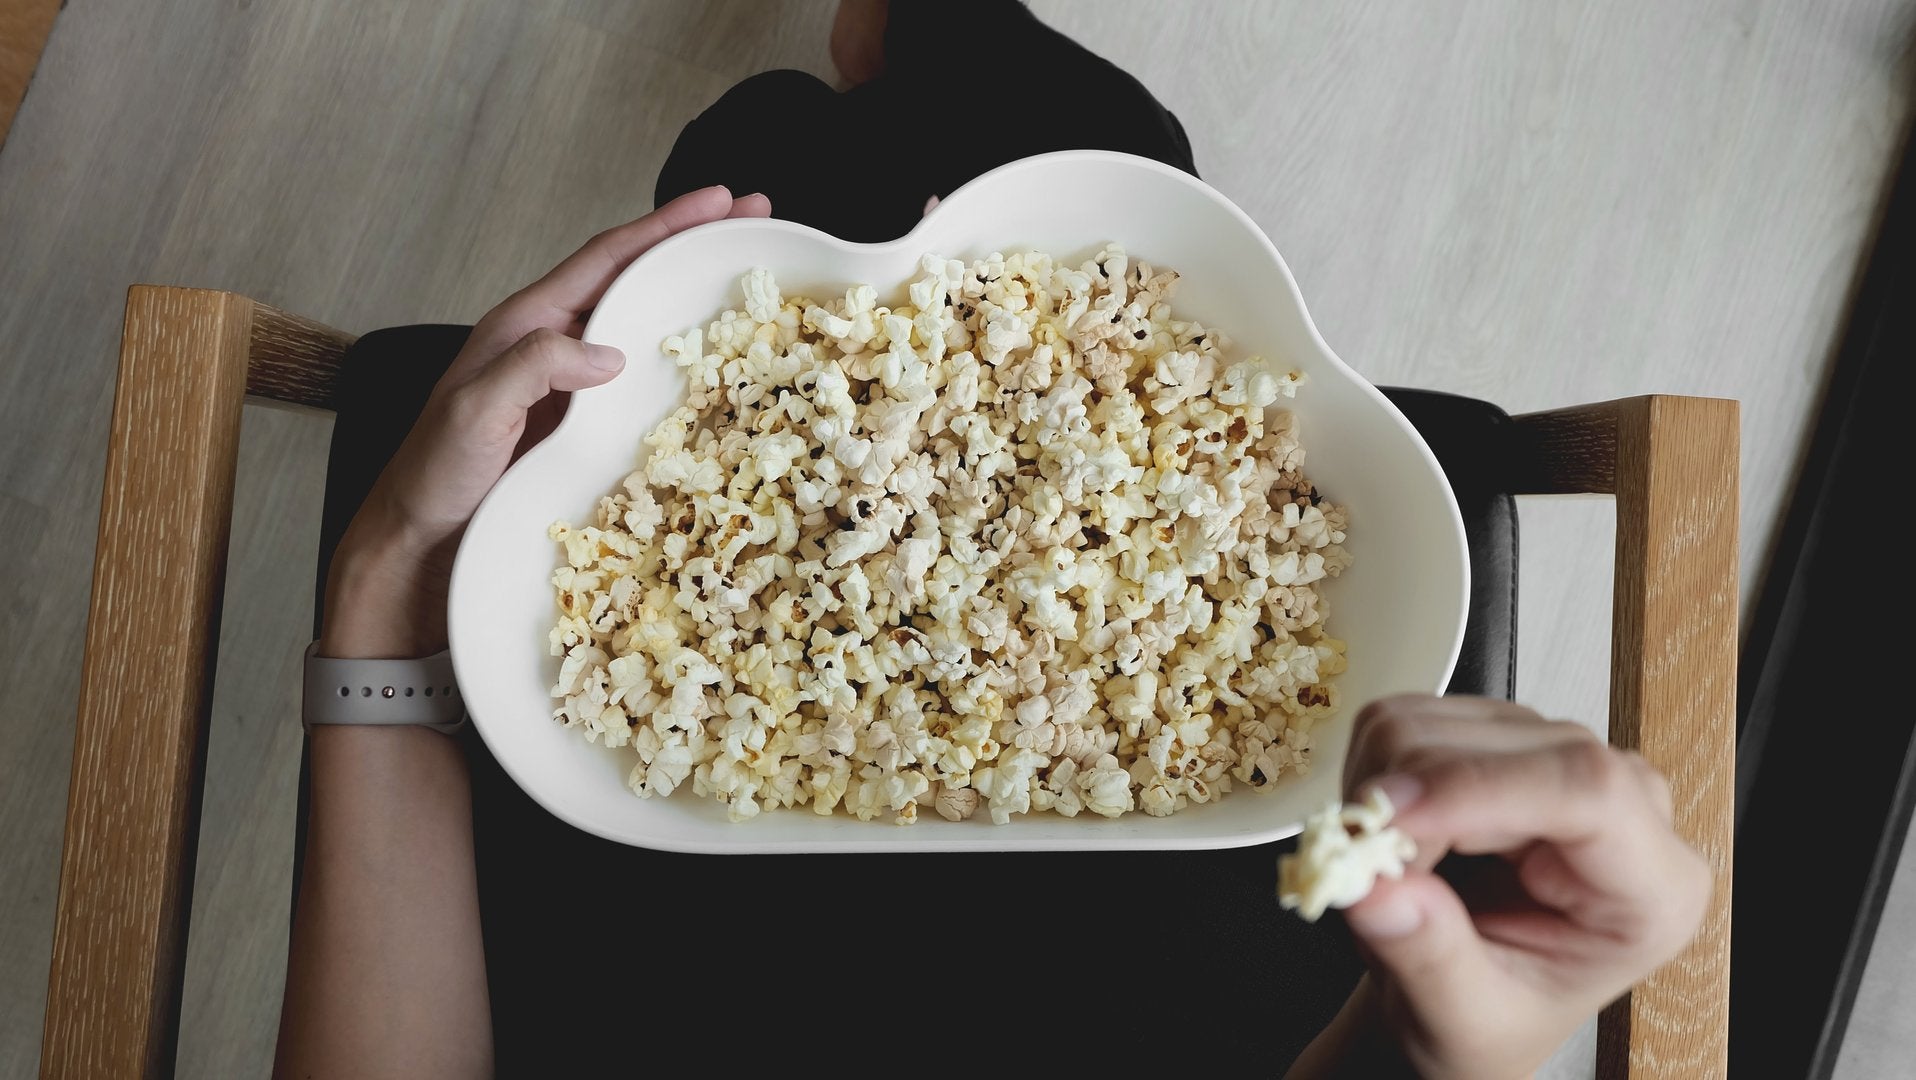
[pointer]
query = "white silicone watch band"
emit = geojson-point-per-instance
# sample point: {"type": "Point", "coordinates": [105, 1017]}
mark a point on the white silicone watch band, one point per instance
{"type": "Point", "coordinates": [417, 692]}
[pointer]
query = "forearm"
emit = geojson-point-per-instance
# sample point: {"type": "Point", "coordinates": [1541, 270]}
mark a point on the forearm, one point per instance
{"type": "Point", "coordinates": [387, 971]}
{"type": "Point", "coordinates": [386, 975]}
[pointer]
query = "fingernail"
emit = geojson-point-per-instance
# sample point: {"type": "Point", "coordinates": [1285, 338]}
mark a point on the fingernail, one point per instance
{"type": "Point", "coordinates": [756, 195]}
{"type": "Point", "coordinates": [1393, 915]}
{"type": "Point", "coordinates": [604, 357]}
{"type": "Point", "coordinates": [1402, 789]}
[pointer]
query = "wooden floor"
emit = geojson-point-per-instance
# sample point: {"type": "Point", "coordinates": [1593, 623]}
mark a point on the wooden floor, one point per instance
{"type": "Point", "coordinates": [1537, 203]}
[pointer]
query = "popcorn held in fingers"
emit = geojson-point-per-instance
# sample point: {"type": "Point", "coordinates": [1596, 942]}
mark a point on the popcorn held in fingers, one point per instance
{"type": "Point", "coordinates": [1025, 542]}
{"type": "Point", "coordinates": [1342, 852]}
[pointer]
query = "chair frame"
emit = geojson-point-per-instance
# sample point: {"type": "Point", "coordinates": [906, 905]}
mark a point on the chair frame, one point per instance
{"type": "Point", "coordinates": [190, 357]}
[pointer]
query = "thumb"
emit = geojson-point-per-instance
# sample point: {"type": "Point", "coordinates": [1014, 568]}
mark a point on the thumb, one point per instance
{"type": "Point", "coordinates": [1417, 932]}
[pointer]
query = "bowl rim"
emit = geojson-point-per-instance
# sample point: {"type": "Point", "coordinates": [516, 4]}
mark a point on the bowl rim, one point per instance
{"type": "Point", "coordinates": [953, 203]}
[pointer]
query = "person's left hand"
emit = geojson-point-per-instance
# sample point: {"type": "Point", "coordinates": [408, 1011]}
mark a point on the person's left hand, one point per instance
{"type": "Point", "coordinates": [505, 391]}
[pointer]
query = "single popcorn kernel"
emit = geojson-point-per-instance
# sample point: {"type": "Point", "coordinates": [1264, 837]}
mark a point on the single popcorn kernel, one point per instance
{"type": "Point", "coordinates": [1023, 543]}
{"type": "Point", "coordinates": [1340, 855]}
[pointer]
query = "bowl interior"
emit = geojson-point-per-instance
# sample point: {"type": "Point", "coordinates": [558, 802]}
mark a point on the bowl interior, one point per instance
{"type": "Point", "coordinates": [1400, 607]}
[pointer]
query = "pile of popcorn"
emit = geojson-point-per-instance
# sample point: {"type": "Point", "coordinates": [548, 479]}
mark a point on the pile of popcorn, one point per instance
{"type": "Point", "coordinates": [1026, 542]}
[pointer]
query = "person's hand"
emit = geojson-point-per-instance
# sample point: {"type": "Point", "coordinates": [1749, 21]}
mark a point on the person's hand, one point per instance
{"type": "Point", "coordinates": [1580, 888]}
{"type": "Point", "coordinates": [506, 390]}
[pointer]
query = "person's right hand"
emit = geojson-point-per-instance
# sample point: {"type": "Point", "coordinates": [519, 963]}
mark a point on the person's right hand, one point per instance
{"type": "Point", "coordinates": [1586, 888]}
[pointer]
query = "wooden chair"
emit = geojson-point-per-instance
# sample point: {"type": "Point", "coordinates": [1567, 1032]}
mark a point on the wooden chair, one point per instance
{"type": "Point", "coordinates": [190, 357]}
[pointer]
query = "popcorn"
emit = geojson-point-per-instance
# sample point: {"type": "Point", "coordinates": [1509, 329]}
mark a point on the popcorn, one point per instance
{"type": "Point", "coordinates": [1022, 543]}
{"type": "Point", "coordinates": [957, 804]}
{"type": "Point", "coordinates": [1340, 855]}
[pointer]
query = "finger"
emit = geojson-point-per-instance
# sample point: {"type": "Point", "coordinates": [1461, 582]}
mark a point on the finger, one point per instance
{"type": "Point", "coordinates": [1417, 931]}
{"type": "Point", "coordinates": [1486, 803]}
{"type": "Point", "coordinates": [1456, 705]}
{"type": "Point", "coordinates": [1398, 745]}
{"type": "Point", "coordinates": [1389, 733]}
{"type": "Point", "coordinates": [1581, 798]}
{"type": "Point", "coordinates": [540, 364]}
{"type": "Point", "coordinates": [751, 206]}
{"type": "Point", "coordinates": [577, 283]}
{"type": "Point", "coordinates": [1654, 920]}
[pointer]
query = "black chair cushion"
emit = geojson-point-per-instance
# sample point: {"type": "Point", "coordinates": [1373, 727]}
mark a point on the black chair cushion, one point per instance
{"type": "Point", "coordinates": [599, 955]}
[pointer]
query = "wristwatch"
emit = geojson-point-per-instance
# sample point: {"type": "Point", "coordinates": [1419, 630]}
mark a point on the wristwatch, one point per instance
{"type": "Point", "coordinates": [419, 692]}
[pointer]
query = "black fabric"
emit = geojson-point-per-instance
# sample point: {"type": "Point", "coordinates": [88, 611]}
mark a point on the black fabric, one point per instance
{"type": "Point", "coordinates": [957, 99]}
{"type": "Point", "coordinates": [1471, 440]}
{"type": "Point", "coordinates": [600, 956]}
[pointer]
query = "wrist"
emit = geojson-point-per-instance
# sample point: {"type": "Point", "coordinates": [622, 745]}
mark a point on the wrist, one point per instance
{"type": "Point", "coordinates": [383, 597]}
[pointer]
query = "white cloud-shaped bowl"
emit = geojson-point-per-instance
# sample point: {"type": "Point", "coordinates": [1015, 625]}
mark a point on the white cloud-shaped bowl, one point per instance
{"type": "Point", "coordinates": [1401, 607]}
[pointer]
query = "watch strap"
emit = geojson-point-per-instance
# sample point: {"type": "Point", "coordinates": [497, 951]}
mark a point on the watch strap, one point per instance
{"type": "Point", "coordinates": [419, 692]}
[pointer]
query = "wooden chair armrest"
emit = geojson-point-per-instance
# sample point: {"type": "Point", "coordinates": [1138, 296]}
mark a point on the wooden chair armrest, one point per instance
{"type": "Point", "coordinates": [292, 360]}
{"type": "Point", "coordinates": [1671, 462]}
{"type": "Point", "coordinates": [187, 359]}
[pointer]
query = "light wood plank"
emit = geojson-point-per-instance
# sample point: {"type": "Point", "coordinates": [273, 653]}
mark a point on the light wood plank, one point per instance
{"type": "Point", "coordinates": [1671, 463]}
{"type": "Point", "coordinates": [1673, 699]}
{"type": "Point", "coordinates": [139, 747]}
